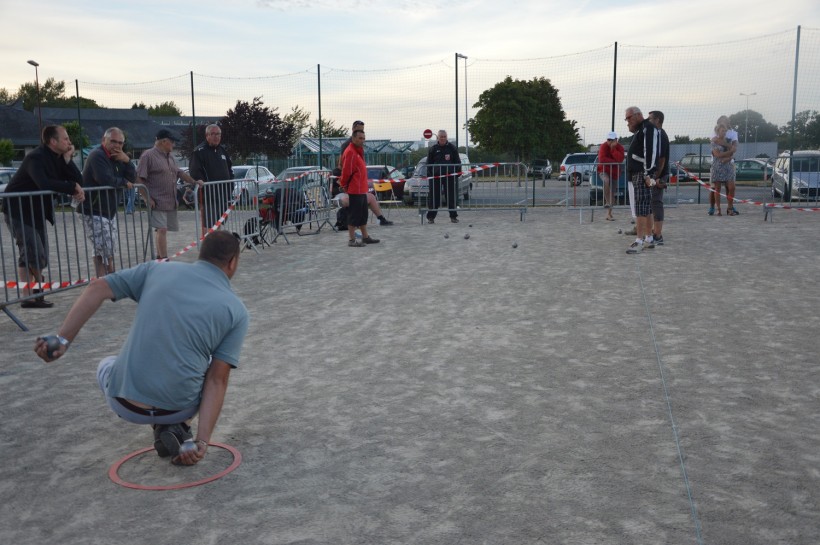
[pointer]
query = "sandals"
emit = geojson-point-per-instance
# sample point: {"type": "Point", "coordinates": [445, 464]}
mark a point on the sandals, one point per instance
{"type": "Point", "coordinates": [609, 219]}
{"type": "Point", "coordinates": [730, 212]}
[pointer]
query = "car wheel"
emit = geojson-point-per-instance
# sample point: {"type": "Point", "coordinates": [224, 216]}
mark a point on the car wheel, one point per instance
{"type": "Point", "coordinates": [576, 179]}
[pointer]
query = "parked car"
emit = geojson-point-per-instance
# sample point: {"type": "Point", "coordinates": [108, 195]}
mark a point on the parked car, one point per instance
{"type": "Point", "coordinates": [540, 168]}
{"type": "Point", "coordinates": [417, 187]}
{"type": "Point", "coordinates": [677, 174]}
{"type": "Point", "coordinates": [577, 167]}
{"type": "Point", "coordinates": [386, 172]}
{"type": "Point", "coordinates": [755, 170]}
{"type": "Point", "coordinates": [5, 177]}
{"type": "Point", "coordinates": [697, 165]}
{"type": "Point", "coordinates": [805, 176]}
{"type": "Point", "coordinates": [243, 173]}
{"type": "Point", "coordinates": [596, 188]}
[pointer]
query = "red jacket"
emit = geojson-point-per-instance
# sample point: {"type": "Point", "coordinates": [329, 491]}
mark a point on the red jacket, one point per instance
{"type": "Point", "coordinates": [354, 171]}
{"type": "Point", "coordinates": [610, 159]}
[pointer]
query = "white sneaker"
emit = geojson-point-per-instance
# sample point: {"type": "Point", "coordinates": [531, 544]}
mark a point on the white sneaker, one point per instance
{"type": "Point", "coordinates": [635, 248]}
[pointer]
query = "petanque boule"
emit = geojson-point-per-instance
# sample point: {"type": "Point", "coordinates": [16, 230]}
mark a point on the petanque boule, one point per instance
{"type": "Point", "coordinates": [466, 235]}
{"type": "Point", "coordinates": [52, 344]}
{"type": "Point", "coordinates": [515, 245]}
{"type": "Point", "coordinates": [620, 231]}
{"type": "Point", "coordinates": [187, 446]}
{"type": "Point", "coordinates": [446, 235]}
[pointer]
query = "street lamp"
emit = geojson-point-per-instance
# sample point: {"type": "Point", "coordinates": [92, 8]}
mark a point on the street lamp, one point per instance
{"type": "Point", "coordinates": [746, 129]}
{"type": "Point", "coordinates": [39, 108]}
{"type": "Point", "coordinates": [584, 138]}
{"type": "Point", "coordinates": [466, 113]}
{"type": "Point", "coordinates": [460, 56]}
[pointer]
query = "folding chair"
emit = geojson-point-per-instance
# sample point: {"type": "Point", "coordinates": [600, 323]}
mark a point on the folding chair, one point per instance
{"type": "Point", "coordinates": [384, 194]}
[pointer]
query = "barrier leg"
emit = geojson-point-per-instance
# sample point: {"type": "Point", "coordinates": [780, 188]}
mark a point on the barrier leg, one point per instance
{"type": "Point", "coordinates": [14, 319]}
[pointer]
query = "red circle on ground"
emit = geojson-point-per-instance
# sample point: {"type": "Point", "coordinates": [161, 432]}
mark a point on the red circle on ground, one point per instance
{"type": "Point", "coordinates": [113, 472]}
{"type": "Point", "coordinates": [428, 134]}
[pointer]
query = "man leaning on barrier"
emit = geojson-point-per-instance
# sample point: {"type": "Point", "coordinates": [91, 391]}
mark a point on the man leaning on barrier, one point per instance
{"type": "Point", "coordinates": [180, 350]}
{"type": "Point", "coordinates": [48, 168]}
{"type": "Point", "coordinates": [109, 166]}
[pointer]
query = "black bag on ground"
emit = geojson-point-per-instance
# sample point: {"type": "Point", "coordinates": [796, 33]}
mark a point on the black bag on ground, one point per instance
{"type": "Point", "coordinates": [341, 219]}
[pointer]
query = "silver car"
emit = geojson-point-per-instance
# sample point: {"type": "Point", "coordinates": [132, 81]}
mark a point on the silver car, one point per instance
{"type": "Point", "coordinates": [804, 167]}
{"type": "Point", "coordinates": [417, 187]}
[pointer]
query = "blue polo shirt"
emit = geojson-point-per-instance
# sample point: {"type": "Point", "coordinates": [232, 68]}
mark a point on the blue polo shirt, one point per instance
{"type": "Point", "coordinates": [186, 314]}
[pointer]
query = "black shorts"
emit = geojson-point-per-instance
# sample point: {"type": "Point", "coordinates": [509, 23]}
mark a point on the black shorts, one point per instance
{"type": "Point", "coordinates": [357, 210]}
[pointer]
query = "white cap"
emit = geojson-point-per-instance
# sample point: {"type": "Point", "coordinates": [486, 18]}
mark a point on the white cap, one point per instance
{"type": "Point", "coordinates": [612, 136]}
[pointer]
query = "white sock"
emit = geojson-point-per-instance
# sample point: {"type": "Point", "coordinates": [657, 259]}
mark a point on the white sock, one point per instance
{"type": "Point", "coordinates": [639, 240]}
{"type": "Point", "coordinates": [649, 238]}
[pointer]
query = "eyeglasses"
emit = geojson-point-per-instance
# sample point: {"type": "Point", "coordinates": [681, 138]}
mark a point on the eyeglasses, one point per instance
{"type": "Point", "coordinates": [118, 142]}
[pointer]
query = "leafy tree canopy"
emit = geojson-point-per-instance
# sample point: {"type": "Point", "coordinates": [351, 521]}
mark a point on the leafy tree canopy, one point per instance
{"type": "Point", "coordinates": [165, 109]}
{"type": "Point", "coordinates": [52, 95]}
{"type": "Point", "coordinates": [6, 151]}
{"type": "Point", "coordinates": [524, 118]}
{"type": "Point", "coordinates": [77, 134]}
{"type": "Point", "coordinates": [328, 128]}
{"type": "Point", "coordinates": [254, 129]}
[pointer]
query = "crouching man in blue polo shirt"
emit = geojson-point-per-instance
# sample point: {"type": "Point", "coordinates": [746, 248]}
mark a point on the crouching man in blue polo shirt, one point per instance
{"type": "Point", "coordinates": [185, 339]}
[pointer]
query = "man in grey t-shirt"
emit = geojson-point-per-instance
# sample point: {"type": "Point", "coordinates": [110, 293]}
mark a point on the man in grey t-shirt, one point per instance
{"type": "Point", "coordinates": [180, 350]}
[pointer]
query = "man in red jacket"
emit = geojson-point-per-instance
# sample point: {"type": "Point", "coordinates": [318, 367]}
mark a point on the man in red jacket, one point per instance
{"type": "Point", "coordinates": [354, 182]}
{"type": "Point", "coordinates": [610, 157]}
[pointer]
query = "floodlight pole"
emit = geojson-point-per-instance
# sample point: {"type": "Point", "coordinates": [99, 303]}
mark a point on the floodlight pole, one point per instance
{"type": "Point", "coordinates": [746, 129]}
{"type": "Point", "coordinates": [466, 104]}
{"type": "Point", "coordinates": [39, 105]}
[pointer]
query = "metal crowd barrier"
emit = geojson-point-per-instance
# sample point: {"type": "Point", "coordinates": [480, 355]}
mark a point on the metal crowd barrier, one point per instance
{"type": "Point", "coordinates": [70, 244]}
{"type": "Point", "coordinates": [295, 205]}
{"type": "Point", "coordinates": [496, 186]}
{"type": "Point", "coordinates": [232, 205]}
{"type": "Point", "coordinates": [588, 194]}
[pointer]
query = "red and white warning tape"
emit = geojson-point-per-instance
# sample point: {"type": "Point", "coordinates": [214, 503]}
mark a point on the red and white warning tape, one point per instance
{"type": "Point", "coordinates": [709, 186]}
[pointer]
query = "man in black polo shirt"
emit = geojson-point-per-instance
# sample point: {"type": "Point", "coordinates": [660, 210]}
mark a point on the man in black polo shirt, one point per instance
{"type": "Point", "coordinates": [211, 162]}
{"type": "Point", "coordinates": [48, 168]}
{"type": "Point", "coordinates": [443, 165]}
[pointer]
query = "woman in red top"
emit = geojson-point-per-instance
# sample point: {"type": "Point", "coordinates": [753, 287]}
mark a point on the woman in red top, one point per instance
{"type": "Point", "coordinates": [610, 157]}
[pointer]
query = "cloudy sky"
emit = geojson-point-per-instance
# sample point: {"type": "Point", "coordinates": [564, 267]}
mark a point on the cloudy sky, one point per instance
{"type": "Point", "coordinates": [145, 41]}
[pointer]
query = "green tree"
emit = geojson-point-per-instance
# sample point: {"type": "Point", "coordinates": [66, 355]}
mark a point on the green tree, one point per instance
{"type": "Point", "coordinates": [328, 128]}
{"type": "Point", "coordinates": [77, 134]}
{"type": "Point", "coordinates": [6, 97]}
{"type": "Point", "coordinates": [253, 128]}
{"type": "Point", "coordinates": [805, 128]}
{"type": "Point", "coordinates": [524, 118]}
{"type": "Point", "coordinates": [6, 151]}
{"type": "Point", "coordinates": [52, 95]}
{"type": "Point", "coordinates": [300, 119]}
{"type": "Point", "coordinates": [165, 109]}
{"type": "Point", "coordinates": [755, 129]}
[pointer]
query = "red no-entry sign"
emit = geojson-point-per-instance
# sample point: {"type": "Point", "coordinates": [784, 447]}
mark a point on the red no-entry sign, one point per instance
{"type": "Point", "coordinates": [428, 134]}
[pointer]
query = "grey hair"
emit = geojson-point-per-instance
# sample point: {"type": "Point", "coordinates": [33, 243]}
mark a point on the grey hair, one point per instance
{"type": "Point", "coordinates": [112, 130]}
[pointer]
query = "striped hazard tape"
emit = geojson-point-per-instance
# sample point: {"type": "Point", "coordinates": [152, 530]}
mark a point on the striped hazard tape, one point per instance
{"type": "Point", "coordinates": [763, 204]}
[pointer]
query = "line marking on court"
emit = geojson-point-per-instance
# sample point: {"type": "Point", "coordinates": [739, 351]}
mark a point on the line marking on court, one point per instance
{"type": "Point", "coordinates": [668, 400]}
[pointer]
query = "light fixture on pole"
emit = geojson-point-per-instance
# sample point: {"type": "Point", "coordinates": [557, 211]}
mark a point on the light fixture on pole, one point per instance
{"type": "Point", "coordinates": [584, 140]}
{"type": "Point", "coordinates": [466, 114]}
{"type": "Point", "coordinates": [39, 106]}
{"type": "Point", "coordinates": [746, 129]}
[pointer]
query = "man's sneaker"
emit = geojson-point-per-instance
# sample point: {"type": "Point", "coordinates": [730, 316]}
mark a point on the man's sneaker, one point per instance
{"type": "Point", "coordinates": [170, 437]}
{"type": "Point", "coordinates": [632, 232]}
{"type": "Point", "coordinates": [431, 220]}
{"type": "Point", "coordinates": [370, 240]}
{"type": "Point", "coordinates": [635, 247]}
{"type": "Point", "coordinates": [648, 244]}
{"type": "Point", "coordinates": [355, 243]}
{"type": "Point", "coordinates": [659, 240]}
{"type": "Point", "coordinates": [453, 220]}
{"type": "Point", "coordinates": [385, 222]}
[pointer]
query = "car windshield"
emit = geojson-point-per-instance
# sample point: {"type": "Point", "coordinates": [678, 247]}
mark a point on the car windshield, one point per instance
{"type": "Point", "coordinates": [806, 164]}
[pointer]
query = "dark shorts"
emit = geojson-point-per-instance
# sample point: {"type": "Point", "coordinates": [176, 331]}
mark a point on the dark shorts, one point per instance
{"type": "Point", "coordinates": [32, 245]}
{"type": "Point", "coordinates": [357, 210]}
{"type": "Point", "coordinates": [657, 200]}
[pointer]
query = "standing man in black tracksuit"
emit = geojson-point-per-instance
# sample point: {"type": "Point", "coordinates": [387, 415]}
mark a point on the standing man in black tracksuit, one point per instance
{"type": "Point", "coordinates": [443, 164]}
{"type": "Point", "coordinates": [642, 168]}
{"type": "Point", "coordinates": [211, 162]}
